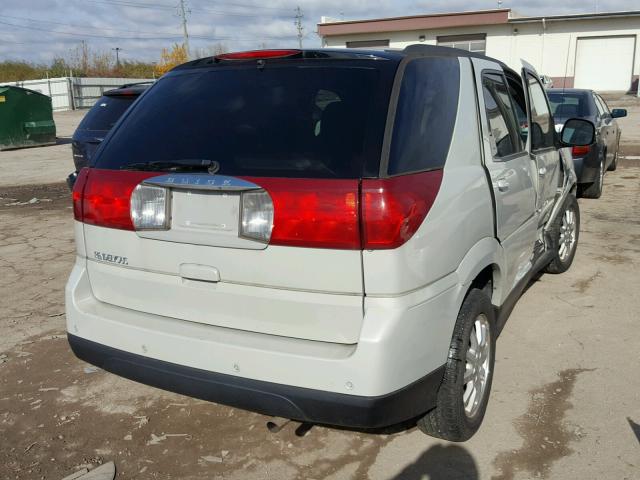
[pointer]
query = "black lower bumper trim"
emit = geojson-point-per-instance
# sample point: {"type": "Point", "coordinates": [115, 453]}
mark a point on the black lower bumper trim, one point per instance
{"type": "Point", "coordinates": [303, 404]}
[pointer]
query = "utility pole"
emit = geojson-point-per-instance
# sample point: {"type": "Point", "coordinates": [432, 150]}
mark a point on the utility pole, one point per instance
{"type": "Point", "coordinates": [183, 11]}
{"type": "Point", "coordinates": [117, 50]}
{"type": "Point", "coordinates": [299, 26]}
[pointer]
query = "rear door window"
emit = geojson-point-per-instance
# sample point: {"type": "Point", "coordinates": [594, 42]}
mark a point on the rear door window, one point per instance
{"type": "Point", "coordinates": [281, 121]}
{"type": "Point", "coordinates": [542, 127]}
{"type": "Point", "coordinates": [106, 112]}
{"type": "Point", "coordinates": [502, 120]}
{"type": "Point", "coordinates": [425, 115]}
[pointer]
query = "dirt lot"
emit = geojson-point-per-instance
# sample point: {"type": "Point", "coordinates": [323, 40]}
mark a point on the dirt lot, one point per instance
{"type": "Point", "coordinates": [565, 401]}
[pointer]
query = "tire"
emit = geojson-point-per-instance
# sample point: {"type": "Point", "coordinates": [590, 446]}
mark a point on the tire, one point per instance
{"type": "Point", "coordinates": [594, 190]}
{"type": "Point", "coordinates": [565, 232]}
{"type": "Point", "coordinates": [614, 162]}
{"type": "Point", "coordinates": [452, 419]}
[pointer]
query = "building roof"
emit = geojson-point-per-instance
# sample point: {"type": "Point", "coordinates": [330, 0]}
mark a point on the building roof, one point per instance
{"type": "Point", "coordinates": [449, 20]}
{"type": "Point", "coordinates": [416, 22]}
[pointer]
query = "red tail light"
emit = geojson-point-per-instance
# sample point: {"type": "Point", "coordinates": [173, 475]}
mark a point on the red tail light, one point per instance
{"type": "Point", "coordinates": [394, 208]}
{"type": "Point", "coordinates": [78, 191]}
{"type": "Point", "coordinates": [313, 213]}
{"type": "Point", "coordinates": [326, 213]}
{"type": "Point", "coordinates": [102, 197]}
{"type": "Point", "coordinates": [257, 54]}
{"type": "Point", "coordinates": [580, 151]}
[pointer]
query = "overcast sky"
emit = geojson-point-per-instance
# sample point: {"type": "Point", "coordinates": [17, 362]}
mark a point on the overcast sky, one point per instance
{"type": "Point", "coordinates": [38, 30]}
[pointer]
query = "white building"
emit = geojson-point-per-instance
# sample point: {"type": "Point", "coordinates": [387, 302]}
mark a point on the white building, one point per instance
{"type": "Point", "coordinates": [596, 50]}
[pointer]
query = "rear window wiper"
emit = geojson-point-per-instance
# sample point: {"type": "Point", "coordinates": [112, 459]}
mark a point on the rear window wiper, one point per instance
{"type": "Point", "coordinates": [175, 165]}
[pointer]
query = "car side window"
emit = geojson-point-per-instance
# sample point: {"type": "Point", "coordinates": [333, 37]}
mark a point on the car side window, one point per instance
{"type": "Point", "coordinates": [599, 106]}
{"type": "Point", "coordinates": [519, 102]}
{"type": "Point", "coordinates": [425, 115]}
{"type": "Point", "coordinates": [602, 105]}
{"type": "Point", "coordinates": [542, 128]}
{"type": "Point", "coordinates": [500, 116]}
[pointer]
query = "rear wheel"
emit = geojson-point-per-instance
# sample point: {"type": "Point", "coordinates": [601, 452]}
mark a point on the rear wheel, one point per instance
{"type": "Point", "coordinates": [594, 190]}
{"type": "Point", "coordinates": [565, 232]}
{"type": "Point", "coordinates": [464, 392]}
{"type": "Point", "coordinates": [614, 162]}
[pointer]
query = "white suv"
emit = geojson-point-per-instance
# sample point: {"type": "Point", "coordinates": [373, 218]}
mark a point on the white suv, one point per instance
{"type": "Point", "coordinates": [330, 236]}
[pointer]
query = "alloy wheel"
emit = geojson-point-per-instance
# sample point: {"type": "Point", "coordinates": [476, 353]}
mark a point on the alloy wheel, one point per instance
{"type": "Point", "coordinates": [477, 366]}
{"type": "Point", "coordinates": [567, 234]}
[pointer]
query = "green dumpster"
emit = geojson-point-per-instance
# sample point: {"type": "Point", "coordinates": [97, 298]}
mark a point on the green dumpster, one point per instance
{"type": "Point", "coordinates": [26, 118]}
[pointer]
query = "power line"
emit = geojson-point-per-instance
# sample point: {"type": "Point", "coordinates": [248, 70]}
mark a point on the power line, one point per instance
{"type": "Point", "coordinates": [169, 35]}
{"type": "Point", "coordinates": [110, 37]}
{"type": "Point", "coordinates": [127, 3]}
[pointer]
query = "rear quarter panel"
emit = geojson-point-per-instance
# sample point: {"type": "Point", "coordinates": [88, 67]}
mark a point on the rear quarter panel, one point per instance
{"type": "Point", "coordinates": [461, 216]}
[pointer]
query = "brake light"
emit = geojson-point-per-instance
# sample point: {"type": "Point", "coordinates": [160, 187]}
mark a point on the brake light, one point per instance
{"type": "Point", "coordinates": [103, 197]}
{"type": "Point", "coordinates": [77, 193]}
{"type": "Point", "coordinates": [335, 214]}
{"type": "Point", "coordinates": [257, 54]}
{"type": "Point", "coordinates": [394, 208]}
{"type": "Point", "coordinates": [580, 151]}
{"type": "Point", "coordinates": [314, 213]}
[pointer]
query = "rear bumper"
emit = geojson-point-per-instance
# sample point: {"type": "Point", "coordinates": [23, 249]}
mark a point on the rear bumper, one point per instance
{"type": "Point", "coordinates": [315, 406]}
{"type": "Point", "coordinates": [392, 374]}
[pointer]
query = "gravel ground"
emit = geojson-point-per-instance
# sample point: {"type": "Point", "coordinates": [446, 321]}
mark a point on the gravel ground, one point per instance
{"type": "Point", "coordinates": [565, 401]}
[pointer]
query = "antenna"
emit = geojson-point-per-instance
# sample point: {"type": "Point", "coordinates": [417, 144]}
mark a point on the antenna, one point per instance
{"type": "Point", "coordinates": [298, 24]}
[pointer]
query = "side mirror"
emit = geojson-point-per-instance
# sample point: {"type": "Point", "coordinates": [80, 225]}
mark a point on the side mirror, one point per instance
{"type": "Point", "coordinates": [619, 112]}
{"type": "Point", "coordinates": [578, 133]}
{"type": "Point", "coordinates": [71, 180]}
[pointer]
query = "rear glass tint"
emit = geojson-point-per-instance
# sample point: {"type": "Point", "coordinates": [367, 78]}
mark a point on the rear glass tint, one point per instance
{"type": "Point", "coordinates": [570, 105]}
{"type": "Point", "coordinates": [106, 112]}
{"type": "Point", "coordinates": [280, 121]}
{"type": "Point", "coordinates": [425, 116]}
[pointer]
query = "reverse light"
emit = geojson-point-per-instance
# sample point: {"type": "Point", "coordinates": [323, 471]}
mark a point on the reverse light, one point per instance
{"type": "Point", "coordinates": [150, 208]}
{"type": "Point", "coordinates": [256, 221]}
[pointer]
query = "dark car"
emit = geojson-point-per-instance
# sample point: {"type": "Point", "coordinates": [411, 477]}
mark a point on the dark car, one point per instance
{"type": "Point", "coordinates": [590, 161]}
{"type": "Point", "coordinates": [99, 120]}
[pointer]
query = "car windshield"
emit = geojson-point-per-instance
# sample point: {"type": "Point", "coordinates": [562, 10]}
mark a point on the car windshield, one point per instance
{"type": "Point", "coordinates": [570, 105]}
{"type": "Point", "coordinates": [289, 121]}
{"type": "Point", "coordinates": [106, 112]}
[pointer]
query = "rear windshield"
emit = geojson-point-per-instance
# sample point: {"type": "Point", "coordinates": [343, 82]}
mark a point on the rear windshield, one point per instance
{"type": "Point", "coordinates": [570, 105]}
{"type": "Point", "coordinates": [287, 121]}
{"type": "Point", "coordinates": [106, 112]}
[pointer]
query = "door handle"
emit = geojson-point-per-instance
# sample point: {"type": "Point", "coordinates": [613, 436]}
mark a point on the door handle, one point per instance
{"type": "Point", "coordinates": [542, 171]}
{"type": "Point", "coordinates": [502, 185]}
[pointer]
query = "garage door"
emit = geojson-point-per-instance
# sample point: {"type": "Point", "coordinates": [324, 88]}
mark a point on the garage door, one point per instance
{"type": "Point", "coordinates": [605, 63]}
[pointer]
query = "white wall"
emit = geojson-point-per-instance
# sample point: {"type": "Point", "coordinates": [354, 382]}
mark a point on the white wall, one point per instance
{"type": "Point", "coordinates": [552, 51]}
{"type": "Point", "coordinates": [85, 91]}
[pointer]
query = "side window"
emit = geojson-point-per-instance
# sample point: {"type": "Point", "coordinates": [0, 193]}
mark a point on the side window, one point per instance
{"type": "Point", "coordinates": [602, 106]}
{"type": "Point", "coordinates": [519, 102]}
{"type": "Point", "coordinates": [500, 116]}
{"type": "Point", "coordinates": [542, 128]}
{"type": "Point", "coordinates": [425, 115]}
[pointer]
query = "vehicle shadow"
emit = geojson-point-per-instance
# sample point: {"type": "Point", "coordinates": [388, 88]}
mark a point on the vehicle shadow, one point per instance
{"type": "Point", "coordinates": [442, 462]}
{"type": "Point", "coordinates": [63, 140]}
{"type": "Point", "coordinates": [635, 428]}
